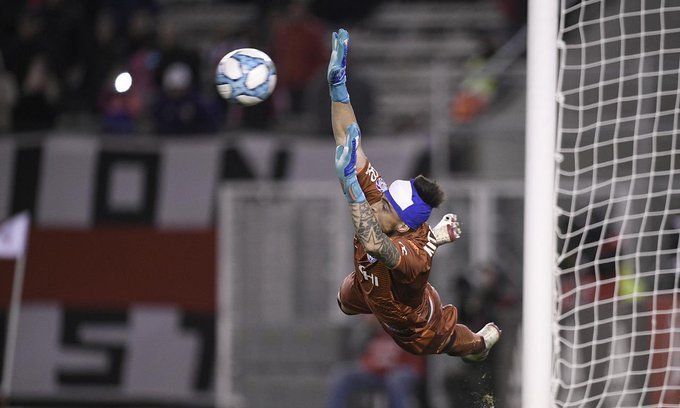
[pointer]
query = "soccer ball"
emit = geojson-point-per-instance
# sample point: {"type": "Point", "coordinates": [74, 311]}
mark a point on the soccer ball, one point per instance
{"type": "Point", "coordinates": [245, 76]}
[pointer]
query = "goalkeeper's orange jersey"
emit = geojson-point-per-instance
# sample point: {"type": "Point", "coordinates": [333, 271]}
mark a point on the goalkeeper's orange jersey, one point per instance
{"type": "Point", "coordinates": [403, 301]}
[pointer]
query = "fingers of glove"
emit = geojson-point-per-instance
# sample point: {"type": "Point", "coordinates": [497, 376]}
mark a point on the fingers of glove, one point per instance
{"type": "Point", "coordinates": [454, 233]}
{"type": "Point", "coordinates": [456, 229]}
{"type": "Point", "coordinates": [336, 64]}
{"type": "Point", "coordinates": [343, 36]}
{"type": "Point", "coordinates": [343, 39]}
{"type": "Point", "coordinates": [339, 48]}
{"type": "Point", "coordinates": [334, 49]}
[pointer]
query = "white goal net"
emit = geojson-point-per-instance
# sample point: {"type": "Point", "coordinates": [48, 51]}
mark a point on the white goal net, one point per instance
{"type": "Point", "coordinates": [617, 280]}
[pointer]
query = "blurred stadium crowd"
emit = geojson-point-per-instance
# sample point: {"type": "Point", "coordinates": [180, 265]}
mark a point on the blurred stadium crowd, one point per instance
{"type": "Point", "coordinates": [59, 60]}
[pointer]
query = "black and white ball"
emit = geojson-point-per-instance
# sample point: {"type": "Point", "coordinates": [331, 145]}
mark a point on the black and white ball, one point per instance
{"type": "Point", "coordinates": [246, 76]}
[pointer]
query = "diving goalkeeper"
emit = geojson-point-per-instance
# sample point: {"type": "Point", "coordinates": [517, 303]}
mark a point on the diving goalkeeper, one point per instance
{"type": "Point", "coordinates": [394, 245]}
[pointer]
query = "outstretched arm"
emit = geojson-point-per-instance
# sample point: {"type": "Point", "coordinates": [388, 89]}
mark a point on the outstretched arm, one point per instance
{"type": "Point", "coordinates": [342, 114]}
{"type": "Point", "coordinates": [374, 240]}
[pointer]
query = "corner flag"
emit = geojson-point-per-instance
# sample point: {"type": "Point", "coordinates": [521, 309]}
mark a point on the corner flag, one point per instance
{"type": "Point", "coordinates": [13, 236]}
{"type": "Point", "coordinates": [13, 243]}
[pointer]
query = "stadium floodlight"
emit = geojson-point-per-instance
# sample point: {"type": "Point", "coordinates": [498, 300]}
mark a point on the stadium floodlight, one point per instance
{"type": "Point", "coordinates": [123, 82]}
{"type": "Point", "coordinates": [615, 218]}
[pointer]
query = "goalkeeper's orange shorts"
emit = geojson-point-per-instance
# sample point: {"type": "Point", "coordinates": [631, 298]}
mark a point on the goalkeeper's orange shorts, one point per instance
{"type": "Point", "coordinates": [427, 329]}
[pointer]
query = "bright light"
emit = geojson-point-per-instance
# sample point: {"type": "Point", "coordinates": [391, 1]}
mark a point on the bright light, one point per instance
{"type": "Point", "coordinates": [123, 82]}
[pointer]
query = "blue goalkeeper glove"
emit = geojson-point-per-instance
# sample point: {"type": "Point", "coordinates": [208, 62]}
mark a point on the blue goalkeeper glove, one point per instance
{"type": "Point", "coordinates": [346, 165]}
{"type": "Point", "coordinates": [337, 67]}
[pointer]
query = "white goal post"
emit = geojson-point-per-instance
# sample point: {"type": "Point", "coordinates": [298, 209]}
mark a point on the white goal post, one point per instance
{"type": "Point", "coordinates": [537, 308]}
{"type": "Point", "coordinates": [602, 287]}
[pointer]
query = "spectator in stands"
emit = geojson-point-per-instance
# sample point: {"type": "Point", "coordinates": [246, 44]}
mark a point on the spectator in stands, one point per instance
{"type": "Point", "coordinates": [140, 33]}
{"type": "Point", "coordinates": [485, 297]}
{"type": "Point", "coordinates": [27, 43]}
{"type": "Point", "coordinates": [36, 106]}
{"type": "Point", "coordinates": [464, 385]}
{"type": "Point", "coordinates": [63, 36]}
{"type": "Point", "coordinates": [124, 10]}
{"type": "Point", "coordinates": [299, 49]}
{"type": "Point", "coordinates": [7, 96]}
{"type": "Point", "coordinates": [171, 52]}
{"type": "Point", "coordinates": [381, 366]}
{"type": "Point", "coordinates": [180, 108]}
{"type": "Point", "coordinates": [515, 12]}
{"type": "Point", "coordinates": [9, 18]}
{"type": "Point", "coordinates": [143, 56]}
{"type": "Point", "coordinates": [103, 51]}
{"type": "Point", "coordinates": [463, 292]}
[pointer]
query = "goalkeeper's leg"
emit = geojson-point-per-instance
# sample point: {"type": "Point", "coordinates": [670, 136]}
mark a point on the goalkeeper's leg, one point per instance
{"type": "Point", "coordinates": [473, 347]}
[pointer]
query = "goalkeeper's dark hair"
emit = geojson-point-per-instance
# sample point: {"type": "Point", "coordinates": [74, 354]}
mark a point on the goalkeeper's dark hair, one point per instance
{"type": "Point", "coordinates": [429, 191]}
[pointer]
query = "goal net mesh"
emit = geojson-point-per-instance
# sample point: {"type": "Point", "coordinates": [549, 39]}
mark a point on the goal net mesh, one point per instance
{"type": "Point", "coordinates": [617, 326]}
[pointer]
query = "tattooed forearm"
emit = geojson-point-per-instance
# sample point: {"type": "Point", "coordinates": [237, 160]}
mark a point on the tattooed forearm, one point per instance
{"type": "Point", "coordinates": [371, 236]}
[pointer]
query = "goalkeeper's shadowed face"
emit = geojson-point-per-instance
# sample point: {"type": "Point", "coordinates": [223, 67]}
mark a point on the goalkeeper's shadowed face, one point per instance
{"type": "Point", "coordinates": [389, 220]}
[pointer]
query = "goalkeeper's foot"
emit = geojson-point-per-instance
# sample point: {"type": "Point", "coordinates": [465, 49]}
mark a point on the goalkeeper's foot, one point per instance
{"type": "Point", "coordinates": [491, 334]}
{"type": "Point", "coordinates": [447, 230]}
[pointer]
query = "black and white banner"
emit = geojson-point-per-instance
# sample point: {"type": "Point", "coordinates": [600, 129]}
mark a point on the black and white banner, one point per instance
{"type": "Point", "coordinates": [82, 181]}
{"type": "Point", "coordinates": [121, 316]}
{"type": "Point", "coordinates": [144, 353]}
